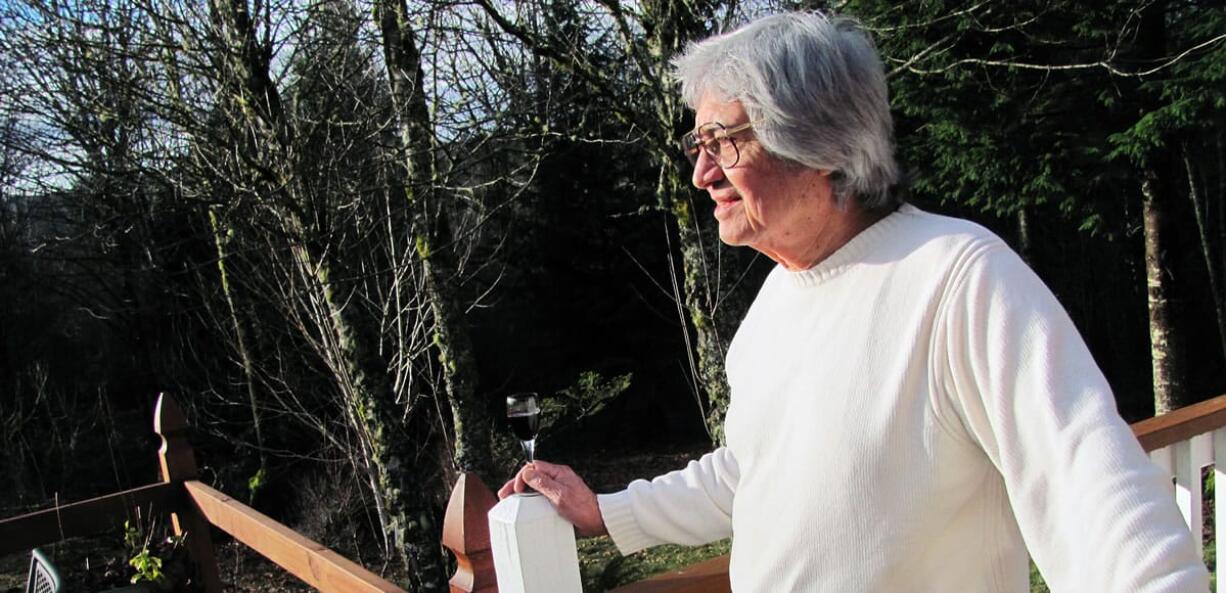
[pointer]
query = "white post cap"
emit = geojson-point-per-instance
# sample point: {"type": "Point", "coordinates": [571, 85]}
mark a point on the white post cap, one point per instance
{"type": "Point", "coordinates": [533, 547]}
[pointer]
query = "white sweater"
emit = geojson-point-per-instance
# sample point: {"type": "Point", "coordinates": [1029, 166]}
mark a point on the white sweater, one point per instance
{"type": "Point", "coordinates": [912, 415]}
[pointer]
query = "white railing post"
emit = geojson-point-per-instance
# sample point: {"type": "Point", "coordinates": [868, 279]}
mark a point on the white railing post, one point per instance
{"type": "Point", "coordinates": [1164, 458]}
{"type": "Point", "coordinates": [1184, 461]}
{"type": "Point", "coordinates": [534, 548]}
{"type": "Point", "coordinates": [1191, 456]}
{"type": "Point", "coordinates": [1219, 499]}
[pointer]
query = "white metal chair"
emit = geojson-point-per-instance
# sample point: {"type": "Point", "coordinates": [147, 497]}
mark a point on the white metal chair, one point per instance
{"type": "Point", "coordinates": [44, 578]}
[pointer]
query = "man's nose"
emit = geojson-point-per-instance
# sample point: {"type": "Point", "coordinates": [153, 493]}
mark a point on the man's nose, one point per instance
{"type": "Point", "coordinates": [706, 170]}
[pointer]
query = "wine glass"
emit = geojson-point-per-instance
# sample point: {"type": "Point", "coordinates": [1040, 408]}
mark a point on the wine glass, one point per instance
{"type": "Point", "coordinates": [524, 416]}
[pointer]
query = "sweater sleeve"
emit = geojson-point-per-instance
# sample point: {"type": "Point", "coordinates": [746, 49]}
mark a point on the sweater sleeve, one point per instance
{"type": "Point", "coordinates": [689, 506]}
{"type": "Point", "coordinates": [1095, 513]}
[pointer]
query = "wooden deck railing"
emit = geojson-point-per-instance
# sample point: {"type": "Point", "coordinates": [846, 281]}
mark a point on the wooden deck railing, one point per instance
{"type": "Point", "coordinates": [1183, 442]}
{"type": "Point", "coordinates": [195, 509]}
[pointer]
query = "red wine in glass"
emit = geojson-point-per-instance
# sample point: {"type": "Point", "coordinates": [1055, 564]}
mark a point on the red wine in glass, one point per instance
{"type": "Point", "coordinates": [524, 416]}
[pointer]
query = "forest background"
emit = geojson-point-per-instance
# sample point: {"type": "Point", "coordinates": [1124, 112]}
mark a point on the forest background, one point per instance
{"type": "Point", "coordinates": [342, 231]}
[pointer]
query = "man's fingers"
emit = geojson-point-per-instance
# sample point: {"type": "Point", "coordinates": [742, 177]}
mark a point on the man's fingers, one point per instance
{"type": "Point", "coordinates": [552, 470]}
{"type": "Point", "coordinates": [564, 476]}
{"type": "Point", "coordinates": [515, 485]}
{"type": "Point", "coordinates": [541, 482]}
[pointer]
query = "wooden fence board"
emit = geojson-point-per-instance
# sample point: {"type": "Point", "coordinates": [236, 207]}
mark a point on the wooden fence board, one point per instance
{"type": "Point", "coordinates": [87, 517]}
{"type": "Point", "coordinates": [316, 565]}
{"type": "Point", "coordinates": [710, 576]}
{"type": "Point", "coordinates": [1181, 424]}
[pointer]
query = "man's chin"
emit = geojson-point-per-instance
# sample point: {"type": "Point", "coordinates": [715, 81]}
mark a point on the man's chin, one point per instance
{"type": "Point", "coordinates": [731, 237]}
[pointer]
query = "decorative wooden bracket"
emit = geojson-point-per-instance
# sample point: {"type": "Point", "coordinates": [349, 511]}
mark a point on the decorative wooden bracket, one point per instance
{"type": "Point", "coordinates": [466, 532]}
{"type": "Point", "coordinates": [178, 465]}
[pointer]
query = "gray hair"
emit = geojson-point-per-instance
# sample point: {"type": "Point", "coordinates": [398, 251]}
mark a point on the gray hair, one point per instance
{"type": "Point", "coordinates": [816, 87]}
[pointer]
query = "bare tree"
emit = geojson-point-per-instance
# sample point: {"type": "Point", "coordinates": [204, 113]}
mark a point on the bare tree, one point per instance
{"type": "Point", "coordinates": [1207, 199]}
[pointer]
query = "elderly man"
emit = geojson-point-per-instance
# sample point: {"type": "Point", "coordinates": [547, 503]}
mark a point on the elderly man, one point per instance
{"type": "Point", "coordinates": [911, 410]}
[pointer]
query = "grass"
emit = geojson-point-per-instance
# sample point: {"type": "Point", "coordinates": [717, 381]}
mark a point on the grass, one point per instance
{"type": "Point", "coordinates": [1036, 580]}
{"type": "Point", "coordinates": [603, 567]}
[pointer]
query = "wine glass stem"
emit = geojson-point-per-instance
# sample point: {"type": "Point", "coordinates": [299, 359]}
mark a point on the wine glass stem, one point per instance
{"type": "Point", "coordinates": [529, 449]}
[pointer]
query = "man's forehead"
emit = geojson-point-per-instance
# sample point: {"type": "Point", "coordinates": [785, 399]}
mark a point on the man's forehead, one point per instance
{"type": "Point", "coordinates": [714, 110]}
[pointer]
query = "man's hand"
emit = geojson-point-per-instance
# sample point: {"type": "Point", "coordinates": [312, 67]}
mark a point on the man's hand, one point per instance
{"type": "Point", "coordinates": [565, 489]}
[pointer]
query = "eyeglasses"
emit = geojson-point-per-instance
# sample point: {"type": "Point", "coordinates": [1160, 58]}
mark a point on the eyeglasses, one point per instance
{"type": "Point", "coordinates": [716, 140]}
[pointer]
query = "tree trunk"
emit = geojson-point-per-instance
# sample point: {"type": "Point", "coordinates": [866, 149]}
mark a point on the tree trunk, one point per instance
{"type": "Point", "coordinates": [715, 298]}
{"type": "Point", "coordinates": [1167, 360]}
{"type": "Point", "coordinates": [240, 339]}
{"type": "Point", "coordinates": [434, 242]}
{"type": "Point", "coordinates": [401, 481]}
{"type": "Point", "coordinates": [1024, 247]}
{"type": "Point", "coordinates": [1221, 193]}
{"type": "Point", "coordinates": [714, 301]}
{"type": "Point", "coordinates": [1168, 379]}
{"type": "Point", "coordinates": [470, 417]}
{"type": "Point", "coordinates": [1196, 195]}
{"type": "Point", "coordinates": [421, 552]}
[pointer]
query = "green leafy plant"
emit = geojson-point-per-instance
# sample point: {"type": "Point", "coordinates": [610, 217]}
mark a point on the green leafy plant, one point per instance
{"type": "Point", "coordinates": [256, 482]}
{"type": "Point", "coordinates": [589, 395]}
{"type": "Point", "coordinates": [148, 567]}
{"type": "Point", "coordinates": [148, 561]}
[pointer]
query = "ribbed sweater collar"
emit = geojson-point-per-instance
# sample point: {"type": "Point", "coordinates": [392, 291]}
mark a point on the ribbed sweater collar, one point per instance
{"type": "Point", "coordinates": [854, 251]}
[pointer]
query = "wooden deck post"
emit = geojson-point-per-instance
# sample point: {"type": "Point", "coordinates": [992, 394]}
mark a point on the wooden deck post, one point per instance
{"type": "Point", "coordinates": [466, 533]}
{"type": "Point", "coordinates": [179, 464]}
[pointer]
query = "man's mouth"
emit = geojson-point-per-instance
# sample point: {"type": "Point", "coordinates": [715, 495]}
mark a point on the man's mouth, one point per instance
{"type": "Point", "coordinates": [723, 205]}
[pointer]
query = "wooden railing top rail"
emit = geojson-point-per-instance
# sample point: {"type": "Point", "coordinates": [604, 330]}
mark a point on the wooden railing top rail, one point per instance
{"type": "Point", "coordinates": [708, 576]}
{"type": "Point", "coordinates": [315, 564]}
{"type": "Point", "coordinates": [1181, 424]}
{"type": "Point", "coordinates": [88, 517]}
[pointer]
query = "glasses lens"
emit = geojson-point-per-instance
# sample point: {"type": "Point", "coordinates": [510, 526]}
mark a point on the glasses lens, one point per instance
{"type": "Point", "coordinates": [710, 138]}
{"type": "Point", "coordinates": [689, 147]}
{"type": "Point", "coordinates": [728, 154]}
